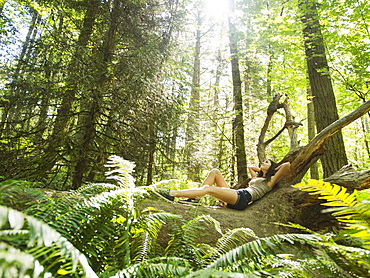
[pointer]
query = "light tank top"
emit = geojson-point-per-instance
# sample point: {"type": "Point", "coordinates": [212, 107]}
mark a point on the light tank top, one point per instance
{"type": "Point", "coordinates": [258, 188]}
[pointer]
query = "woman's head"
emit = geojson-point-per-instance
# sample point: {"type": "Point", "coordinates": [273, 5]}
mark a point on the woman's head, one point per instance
{"type": "Point", "coordinates": [267, 169]}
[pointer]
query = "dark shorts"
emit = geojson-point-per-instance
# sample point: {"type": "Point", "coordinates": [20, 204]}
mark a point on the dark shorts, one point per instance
{"type": "Point", "coordinates": [244, 198]}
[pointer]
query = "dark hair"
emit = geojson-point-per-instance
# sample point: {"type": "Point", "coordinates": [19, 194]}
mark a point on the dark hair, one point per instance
{"type": "Point", "coordinates": [270, 172]}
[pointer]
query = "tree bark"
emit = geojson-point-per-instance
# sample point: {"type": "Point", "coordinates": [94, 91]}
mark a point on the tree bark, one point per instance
{"type": "Point", "coordinates": [192, 129]}
{"type": "Point", "coordinates": [290, 125]}
{"type": "Point", "coordinates": [238, 122]}
{"type": "Point", "coordinates": [321, 87]}
{"type": "Point", "coordinates": [270, 66]}
{"type": "Point", "coordinates": [314, 170]}
{"type": "Point", "coordinates": [152, 149]}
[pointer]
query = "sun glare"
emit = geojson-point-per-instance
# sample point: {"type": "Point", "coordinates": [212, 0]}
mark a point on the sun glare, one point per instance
{"type": "Point", "coordinates": [216, 8]}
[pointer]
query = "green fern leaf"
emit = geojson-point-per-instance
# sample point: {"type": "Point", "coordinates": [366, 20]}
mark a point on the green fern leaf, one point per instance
{"type": "Point", "coordinates": [343, 206]}
{"type": "Point", "coordinates": [184, 241]}
{"type": "Point", "coordinates": [334, 194]}
{"type": "Point", "coordinates": [259, 248]}
{"type": "Point", "coordinates": [41, 234]}
{"type": "Point", "coordinates": [146, 229]}
{"type": "Point", "coordinates": [157, 267]}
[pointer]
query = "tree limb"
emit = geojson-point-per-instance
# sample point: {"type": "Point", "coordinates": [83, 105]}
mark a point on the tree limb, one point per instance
{"type": "Point", "coordinates": [304, 157]}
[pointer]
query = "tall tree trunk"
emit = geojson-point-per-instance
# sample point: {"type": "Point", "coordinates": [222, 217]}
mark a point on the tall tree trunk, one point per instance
{"type": "Point", "coordinates": [58, 138]}
{"type": "Point", "coordinates": [85, 135]}
{"type": "Point", "coordinates": [91, 109]}
{"type": "Point", "coordinates": [322, 90]}
{"type": "Point", "coordinates": [192, 129]}
{"type": "Point", "coordinates": [152, 149]}
{"type": "Point", "coordinates": [270, 66]}
{"type": "Point", "coordinates": [217, 129]}
{"type": "Point", "coordinates": [238, 122]}
{"type": "Point", "coordinates": [26, 48]}
{"type": "Point", "coordinates": [365, 130]}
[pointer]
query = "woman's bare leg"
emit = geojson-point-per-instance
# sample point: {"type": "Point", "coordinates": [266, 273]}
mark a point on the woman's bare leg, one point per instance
{"type": "Point", "coordinates": [215, 176]}
{"type": "Point", "coordinates": [224, 194]}
{"type": "Point", "coordinates": [221, 191]}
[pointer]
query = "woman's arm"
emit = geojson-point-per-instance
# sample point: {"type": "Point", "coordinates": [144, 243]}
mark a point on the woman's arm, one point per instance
{"type": "Point", "coordinates": [281, 171]}
{"type": "Point", "coordinates": [253, 171]}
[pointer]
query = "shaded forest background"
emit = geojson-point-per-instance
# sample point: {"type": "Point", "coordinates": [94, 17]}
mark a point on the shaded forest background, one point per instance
{"type": "Point", "coordinates": [177, 87]}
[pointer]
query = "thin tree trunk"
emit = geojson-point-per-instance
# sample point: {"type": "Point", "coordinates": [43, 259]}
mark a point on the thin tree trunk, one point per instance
{"type": "Point", "coordinates": [314, 170]}
{"type": "Point", "coordinates": [238, 122]}
{"type": "Point", "coordinates": [25, 53]}
{"type": "Point", "coordinates": [218, 131]}
{"type": "Point", "coordinates": [365, 130]}
{"type": "Point", "coordinates": [291, 125]}
{"type": "Point", "coordinates": [16, 107]}
{"type": "Point", "coordinates": [152, 149]}
{"type": "Point", "coordinates": [269, 70]}
{"type": "Point", "coordinates": [321, 87]}
{"type": "Point", "coordinates": [192, 130]}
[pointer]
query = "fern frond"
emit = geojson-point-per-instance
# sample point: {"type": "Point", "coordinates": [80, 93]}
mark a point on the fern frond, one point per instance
{"type": "Point", "coordinates": [296, 226]}
{"type": "Point", "coordinates": [92, 188]}
{"type": "Point", "coordinates": [334, 194]}
{"type": "Point", "coordinates": [42, 235]}
{"type": "Point", "coordinates": [230, 240]}
{"type": "Point", "coordinates": [121, 171]}
{"type": "Point", "coordinates": [205, 252]}
{"type": "Point", "coordinates": [343, 206]}
{"type": "Point", "coordinates": [211, 272]}
{"type": "Point", "coordinates": [184, 241]}
{"type": "Point", "coordinates": [145, 231]}
{"type": "Point", "coordinates": [234, 238]}
{"type": "Point", "coordinates": [15, 263]}
{"type": "Point", "coordinates": [158, 267]}
{"type": "Point", "coordinates": [87, 217]}
{"type": "Point", "coordinates": [257, 249]}
{"type": "Point", "coordinates": [346, 261]}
